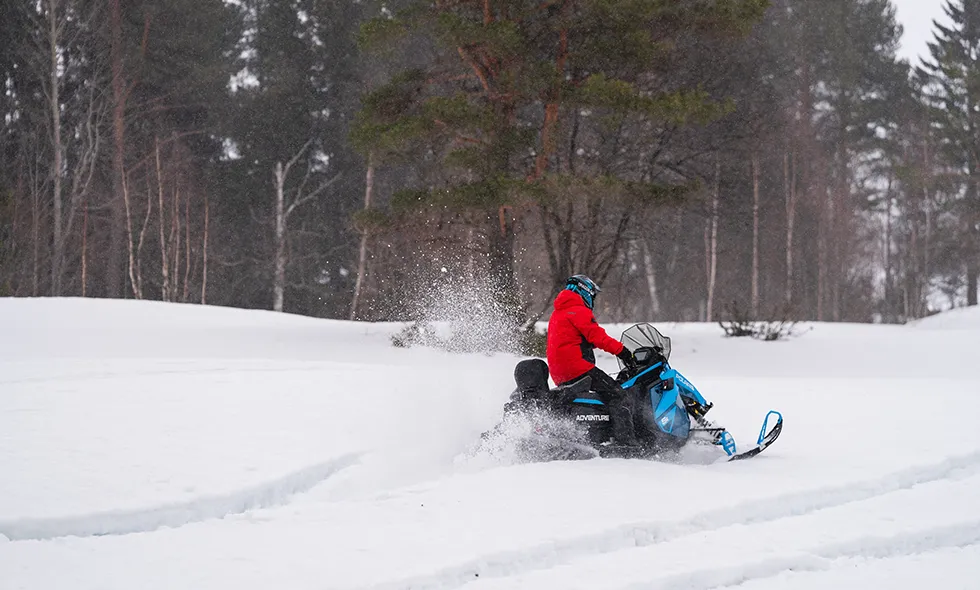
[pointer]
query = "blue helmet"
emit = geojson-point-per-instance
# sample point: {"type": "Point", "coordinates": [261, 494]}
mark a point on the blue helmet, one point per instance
{"type": "Point", "coordinates": [585, 287]}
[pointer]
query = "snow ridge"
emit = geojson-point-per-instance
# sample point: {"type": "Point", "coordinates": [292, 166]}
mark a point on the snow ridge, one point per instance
{"type": "Point", "coordinates": [552, 554]}
{"type": "Point", "coordinates": [912, 543]}
{"type": "Point", "coordinates": [266, 495]}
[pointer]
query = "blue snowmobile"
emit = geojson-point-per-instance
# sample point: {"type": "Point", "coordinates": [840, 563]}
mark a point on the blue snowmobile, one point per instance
{"type": "Point", "coordinates": [571, 422]}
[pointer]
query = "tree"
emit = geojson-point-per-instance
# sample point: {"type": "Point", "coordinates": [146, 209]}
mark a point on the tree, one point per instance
{"type": "Point", "coordinates": [75, 134]}
{"type": "Point", "coordinates": [365, 234]}
{"type": "Point", "coordinates": [295, 89]}
{"type": "Point", "coordinates": [54, 125]}
{"type": "Point", "coordinates": [500, 103]}
{"type": "Point", "coordinates": [284, 209]}
{"type": "Point", "coordinates": [952, 76]}
{"type": "Point", "coordinates": [842, 62]}
{"type": "Point", "coordinates": [170, 68]}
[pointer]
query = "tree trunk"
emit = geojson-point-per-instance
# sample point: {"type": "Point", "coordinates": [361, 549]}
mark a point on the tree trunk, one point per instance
{"type": "Point", "coordinates": [204, 252]}
{"type": "Point", "coordinates": [839, 233]}
{"type": "Point", "coordinates": [174, 243]}
{"type": "Point", "coordinates": [54, 103]}
{"type": "Point", "coordinates": [113, 286]}
{"type": "Point", "coordinates": [707, 268]}
{"type": "Point", "coordinates": [972, 241]}
{"type": "Point", "coordinates": [973, 200]}
{"type": "Point", "coordinates": [889, 293]}
{"type": "Point", "coordinates": [971, 281]}
{"type": "Point", "coordinates": [552, 107]}
{"type": "Point", "coordinates": [789, 189]}
{"type": "Point", "coordinates": [362, 254]}
{"type": "Point", "coordinates": [470, 255]}
{"type": "Point", "coordinates": [279, 278]}
{"type": "Point", "coordinates": [713, 246]}
{"type": "Point", "coordinates": [501, 261]}
{"type": "Point", "coordinates": [84, 246]}
{"type": "Point", "coordinates": [142, 238]}
{"type": "Point", "coordinates": [129, 244]}
{"type": "Point", "coordinates": [821, 253]}
{"type": "Point", "coordinates": [164, 261]}
{"type": "Point", "coordinates": [755, 236]}
{"type": "Point", "coordinates": [675, 248]}
{"type": "Point", "coordinates": [283, 211]}
{"type": "Point", "coordinates": [187, 248]}
{"type": "Point", "coordinates": [927, 245]}
{"type": "Point", "coordinates": [650, 268]}
{"type": "Point", "coordinates": [808, 171]}
{"type": "Point", "coordinates": [35, 231]}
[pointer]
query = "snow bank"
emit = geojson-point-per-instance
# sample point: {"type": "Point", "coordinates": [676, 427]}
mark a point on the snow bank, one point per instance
{"type": "Point", "coordinates": [963, 318]}
{"type": "Point", "coordinates": [51, 329]}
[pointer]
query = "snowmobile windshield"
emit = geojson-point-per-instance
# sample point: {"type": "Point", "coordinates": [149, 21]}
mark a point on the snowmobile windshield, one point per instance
{"type": "Point", "coordinates": [646, 336]}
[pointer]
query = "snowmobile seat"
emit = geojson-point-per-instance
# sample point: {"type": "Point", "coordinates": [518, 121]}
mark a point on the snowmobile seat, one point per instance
{"type": "Point", "coordinates": [531, 376]}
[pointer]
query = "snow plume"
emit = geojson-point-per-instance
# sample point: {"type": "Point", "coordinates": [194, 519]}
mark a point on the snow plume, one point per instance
{"type": "Point", "coordinates": [497, 447]}
{"type": "Point", "coordinates": [532, 436]}
{"type": "Point", "coordinates": [466, 315]}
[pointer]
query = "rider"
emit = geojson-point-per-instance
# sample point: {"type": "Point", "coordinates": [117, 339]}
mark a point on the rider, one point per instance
{"type": "Point", "coordinates": [573, 334]}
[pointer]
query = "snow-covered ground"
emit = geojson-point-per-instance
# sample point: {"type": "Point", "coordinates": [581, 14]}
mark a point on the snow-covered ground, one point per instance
{"type": "Point", "coordinates": [145, 445]}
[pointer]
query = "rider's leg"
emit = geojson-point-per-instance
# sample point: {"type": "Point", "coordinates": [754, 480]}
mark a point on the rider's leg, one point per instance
{"type": "Point", "coordinates": [619, 404]}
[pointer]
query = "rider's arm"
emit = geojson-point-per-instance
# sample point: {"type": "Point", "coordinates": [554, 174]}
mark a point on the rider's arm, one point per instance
{"type": "Point", "coordinates": [594, 333]}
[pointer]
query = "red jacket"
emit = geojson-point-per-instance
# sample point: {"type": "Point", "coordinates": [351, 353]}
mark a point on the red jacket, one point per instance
{"type": "Point", "coordinates": [573, 333]}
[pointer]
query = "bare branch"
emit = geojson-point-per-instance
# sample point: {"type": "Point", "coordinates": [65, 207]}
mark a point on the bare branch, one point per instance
{"type": "Point", "coordinates": [313, 194]}
{"type": "Point", "coordinates": [292, 161]}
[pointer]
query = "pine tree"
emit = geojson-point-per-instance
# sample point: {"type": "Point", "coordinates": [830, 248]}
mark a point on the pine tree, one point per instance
{"type": "Point", "coordinates": [499, 100]}
{"type": "Point", "coordinates": [952, 76]}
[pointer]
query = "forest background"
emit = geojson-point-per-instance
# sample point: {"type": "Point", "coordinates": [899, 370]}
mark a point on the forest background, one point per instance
{"type": "Point", "coordinates": [375, 160]}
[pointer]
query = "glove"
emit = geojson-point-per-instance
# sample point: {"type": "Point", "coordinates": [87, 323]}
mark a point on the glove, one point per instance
{"type": "Point", "coordinates": [626, 355]}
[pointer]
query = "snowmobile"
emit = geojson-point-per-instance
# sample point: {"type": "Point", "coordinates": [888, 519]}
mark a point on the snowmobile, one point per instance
{"type": "Point", "coordinates": [570, 422]}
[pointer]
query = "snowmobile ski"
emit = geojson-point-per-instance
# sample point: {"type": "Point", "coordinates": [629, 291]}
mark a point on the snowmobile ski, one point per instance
{"type": "Point", "coordinates": [765, 439]}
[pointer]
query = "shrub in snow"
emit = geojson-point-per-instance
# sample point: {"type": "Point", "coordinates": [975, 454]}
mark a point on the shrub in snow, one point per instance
{"type": "Point", "coordinates": [768, 330]}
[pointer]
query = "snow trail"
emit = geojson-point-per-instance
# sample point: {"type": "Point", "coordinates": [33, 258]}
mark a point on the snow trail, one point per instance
{"type": "Point", "coordinates": [912, 543]}
{"type": "Point", "coordinates": [630, 536]}
{"type": "Point", "coordinates": [267, 495]}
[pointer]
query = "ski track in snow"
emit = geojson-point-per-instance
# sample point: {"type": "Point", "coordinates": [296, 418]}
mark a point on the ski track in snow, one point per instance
{"type": "Point", "coordinates": [267, 495]}
{"type": "Point", "coordinates": [821, 559]}
{"type": "Point", "coordinates": [144, 373]}
{"type": "Point", "coordinates": [549, 555]}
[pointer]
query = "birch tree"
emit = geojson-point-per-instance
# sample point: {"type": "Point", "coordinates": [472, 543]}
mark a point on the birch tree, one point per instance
{"type": "Point", "coordinates": [287, 201]}
{"type": "Point", "coordinates": [365, 234]}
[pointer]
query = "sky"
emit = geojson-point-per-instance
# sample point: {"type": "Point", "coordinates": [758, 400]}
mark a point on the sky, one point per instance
{"type": "Point", "coordinates": [917, 16]}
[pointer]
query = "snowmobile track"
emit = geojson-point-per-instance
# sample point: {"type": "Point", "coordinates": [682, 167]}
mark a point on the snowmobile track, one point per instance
{"type": "Point", "coordinates": [549, 555]}
{"type": "Point", "coordinates": [266, 495]}
{"type": "Point", "coordinates": [821, 559]}
{"type": "Point", "coordinates": [144, 373]}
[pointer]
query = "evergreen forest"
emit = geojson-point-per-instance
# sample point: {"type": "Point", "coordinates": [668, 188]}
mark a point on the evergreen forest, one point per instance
{"type": "Point", "coordinates": [702, 160]}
